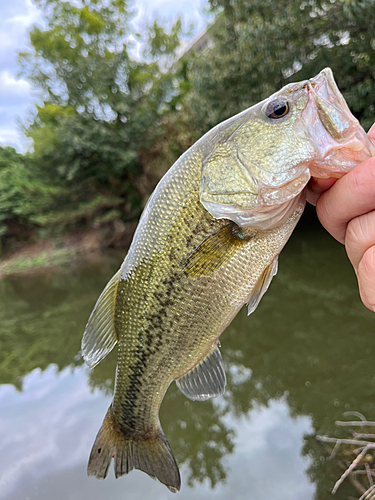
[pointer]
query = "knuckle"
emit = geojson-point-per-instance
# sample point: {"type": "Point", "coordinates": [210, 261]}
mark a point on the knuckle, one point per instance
{"type": "Point", "coordinates": [321, 209]}
{"type": "Point", "coordinates": [356, 232]}
{"type": "Point", "coordinates": [368, 263]}
{"type": "Point", "coordinates": [328, 218]}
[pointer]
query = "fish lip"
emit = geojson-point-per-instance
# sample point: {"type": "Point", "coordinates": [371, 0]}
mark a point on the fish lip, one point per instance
{"type": "Point", "coordinates": [324, 86]}
{"type": "Point", "coordinates": [326, 78]}
{"type": "Point", "coordinates": [341, 145]}
{"type": "Point", "coordinates": [329, 118]}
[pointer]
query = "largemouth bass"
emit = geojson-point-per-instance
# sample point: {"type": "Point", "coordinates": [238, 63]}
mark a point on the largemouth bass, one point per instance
{"type": "Point", "coordinates": [207, 243]}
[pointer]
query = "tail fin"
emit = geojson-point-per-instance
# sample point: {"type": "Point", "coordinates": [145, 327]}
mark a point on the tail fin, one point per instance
{"type": "Point", "coordinates": [149, 453]}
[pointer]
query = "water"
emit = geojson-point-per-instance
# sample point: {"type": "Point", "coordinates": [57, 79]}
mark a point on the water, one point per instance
{"type": "Point", "coordinates": [294, 367]}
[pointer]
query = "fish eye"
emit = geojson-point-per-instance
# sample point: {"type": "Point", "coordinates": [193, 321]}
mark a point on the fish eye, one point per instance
{"type": "Point", "coordinates": [277, 108]}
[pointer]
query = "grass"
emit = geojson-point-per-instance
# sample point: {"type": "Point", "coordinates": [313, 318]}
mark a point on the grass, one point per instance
{"type": "Point", "coordinates": [24, 263]}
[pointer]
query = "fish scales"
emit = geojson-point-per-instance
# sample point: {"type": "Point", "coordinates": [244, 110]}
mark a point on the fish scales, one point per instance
{"type": "Point", "coordinates": [168, 304]}
{"type": "Point", "coordinates": [207, 243]}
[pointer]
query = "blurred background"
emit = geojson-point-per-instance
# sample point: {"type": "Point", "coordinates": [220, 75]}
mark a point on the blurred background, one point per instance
{"type": "Point", "coordinates": [119, 95]}
{"type": "Point", "coordinates": [97, 100]}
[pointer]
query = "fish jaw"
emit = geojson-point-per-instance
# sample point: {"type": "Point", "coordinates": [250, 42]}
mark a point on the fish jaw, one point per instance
{"type": "Point", "coordinates": [254, 176]}
{"type": "Point", "coordinates": [266, 217]}
{"type": "Point", "coordinates": [340, 141]}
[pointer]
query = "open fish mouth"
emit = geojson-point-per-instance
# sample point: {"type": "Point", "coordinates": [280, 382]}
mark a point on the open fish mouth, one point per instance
{"type": "Point", "coordinates": [340, 140]}
{"type": "Point", "coordinates": [304, 130]}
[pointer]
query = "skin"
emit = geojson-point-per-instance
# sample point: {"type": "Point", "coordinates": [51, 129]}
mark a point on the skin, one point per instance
{"type": "Point", "coordinates": [346, 208]}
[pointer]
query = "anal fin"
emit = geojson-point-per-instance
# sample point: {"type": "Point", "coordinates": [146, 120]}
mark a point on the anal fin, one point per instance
{"type": "Point", "coordinates": [206, 380]}
{"type": "Point", "coordinates": [262, 286]}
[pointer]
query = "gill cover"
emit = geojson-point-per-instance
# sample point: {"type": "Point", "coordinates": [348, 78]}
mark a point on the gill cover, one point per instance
{"type": "Point", "coordinates": [256, 177]}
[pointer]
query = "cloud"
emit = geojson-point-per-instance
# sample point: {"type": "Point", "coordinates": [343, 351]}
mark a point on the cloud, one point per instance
{"type": "Point", "coordinates": [16, 97]}
{"type": "Point", "coordinates": [46, 433]}
{"type": "Point", "coordinates": [10, 86]}
{"type": "Point", "coordinates": [47, 427]}
{"type": "Point", "coordinates": [11, 137]}
{"type": "Point", "coordinates": [16, 18]}
{"type": "Point", "coordinates": [16, 94]}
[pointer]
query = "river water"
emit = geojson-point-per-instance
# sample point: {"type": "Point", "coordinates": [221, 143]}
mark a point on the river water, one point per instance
{"type": "Point", "coordinates": [294, 367]}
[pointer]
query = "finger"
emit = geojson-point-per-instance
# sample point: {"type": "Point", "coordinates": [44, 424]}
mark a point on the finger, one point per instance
{"type": "Point", "coordinates": [359, 237]}
{"type": "Point", "coordinates": [316, 186]}
{"type": "Point", "coordinates": [371, 133]}
{"type": "Point", "coordinates": [351, 196]}
{"type": "Point", "coordinates": [366, 278]}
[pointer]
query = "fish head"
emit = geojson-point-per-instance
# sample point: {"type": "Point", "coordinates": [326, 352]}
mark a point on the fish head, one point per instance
{"type": "Point", "coordinates": [263, 158]}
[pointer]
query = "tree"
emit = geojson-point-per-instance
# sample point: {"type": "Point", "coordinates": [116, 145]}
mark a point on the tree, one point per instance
{"type": "Point", "coordinates": [259, 46]}
{"type": "Point", "coordinates": [112, 121]}
{"type": "Point", "coordinates": [14, 191]}
{"type": "Point", "coordinates": [102, 109]}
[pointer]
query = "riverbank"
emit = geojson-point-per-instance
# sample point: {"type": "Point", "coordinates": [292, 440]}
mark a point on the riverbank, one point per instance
{"type": "Point", "coordinates": [51, 253]}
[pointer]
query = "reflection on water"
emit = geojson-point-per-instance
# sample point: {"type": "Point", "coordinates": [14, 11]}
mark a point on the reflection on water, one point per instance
{"type": "Point", "coordinates": [302, 359]}
{"type": "Point", "coordinates": [42, 318]}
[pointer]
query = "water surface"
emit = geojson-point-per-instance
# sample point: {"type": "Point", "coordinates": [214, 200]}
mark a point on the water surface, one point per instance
{"type": "Point", "coordinates": [293, 367]}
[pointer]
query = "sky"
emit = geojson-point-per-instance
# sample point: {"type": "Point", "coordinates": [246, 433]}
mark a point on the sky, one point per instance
{"type": "Point", "coordinates": [43, 454]}
{"type": "Point", "coordinates": [16, 18]}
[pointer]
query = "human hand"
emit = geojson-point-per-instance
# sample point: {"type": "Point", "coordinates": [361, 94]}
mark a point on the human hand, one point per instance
{"type": "Point", "coordinates": [346, 208]}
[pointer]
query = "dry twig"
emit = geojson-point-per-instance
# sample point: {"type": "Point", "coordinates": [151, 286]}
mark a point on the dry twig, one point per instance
{"type": "Point", "coordinates": [367, 492]}
{"type": "Point", "coordinates": [361, 440]}
{"type": "Point", "coordinates": [327, 439]}
{"type": "Point", "coordinates": [351, 467]}
{"type": "Point", "coordinates": [354, 423]}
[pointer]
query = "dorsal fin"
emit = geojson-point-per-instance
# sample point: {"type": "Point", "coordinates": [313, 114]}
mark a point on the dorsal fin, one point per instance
{"type": "Point", "coordinates": [262, 286]}
{"type": "Point", "coordinates": [206, 380]}
{"type": "Point", "coordinates": [100, 337]}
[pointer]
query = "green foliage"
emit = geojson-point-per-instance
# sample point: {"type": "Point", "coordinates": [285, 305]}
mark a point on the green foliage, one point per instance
{"type": "Point", "coordinates": [74, 60]}
{"type": "Point", "coordinates": [162, 43]}
{"type": "Point", "coordinates": [15, 188]}
{"type": "Point", "coordinates": [103, 110]}
{"type": "Point", "coordinates": [259, 46]}
{"type": "Point", "coordinates": [12, 186]}
{"type": "Point", "coordinates": [116, 115]}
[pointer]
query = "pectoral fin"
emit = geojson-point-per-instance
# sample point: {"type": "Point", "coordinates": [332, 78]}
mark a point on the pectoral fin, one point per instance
{"type": "Point", "coordinates": [215, 250]}
{"type": "Point", "coordinates": [262, 286]}
{"type": "Point", "coordinates": [207, 380]}
{"type": "Point", "coordinates": [100, 337]}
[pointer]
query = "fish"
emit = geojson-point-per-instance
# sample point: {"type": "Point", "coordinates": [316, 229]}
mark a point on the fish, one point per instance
{"type": "Point", "coordinates": [206, 244]}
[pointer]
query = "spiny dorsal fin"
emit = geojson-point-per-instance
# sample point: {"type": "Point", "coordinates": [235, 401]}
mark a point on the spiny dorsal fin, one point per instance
{"type": "Point", "coordinates": [215, 250]}
{"type": "Point", "coordinates": [262, 286]}
{"type": "Point", "coordinates": [207, 380]}
{"type": "Point", "coordinates": [100, 337]}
